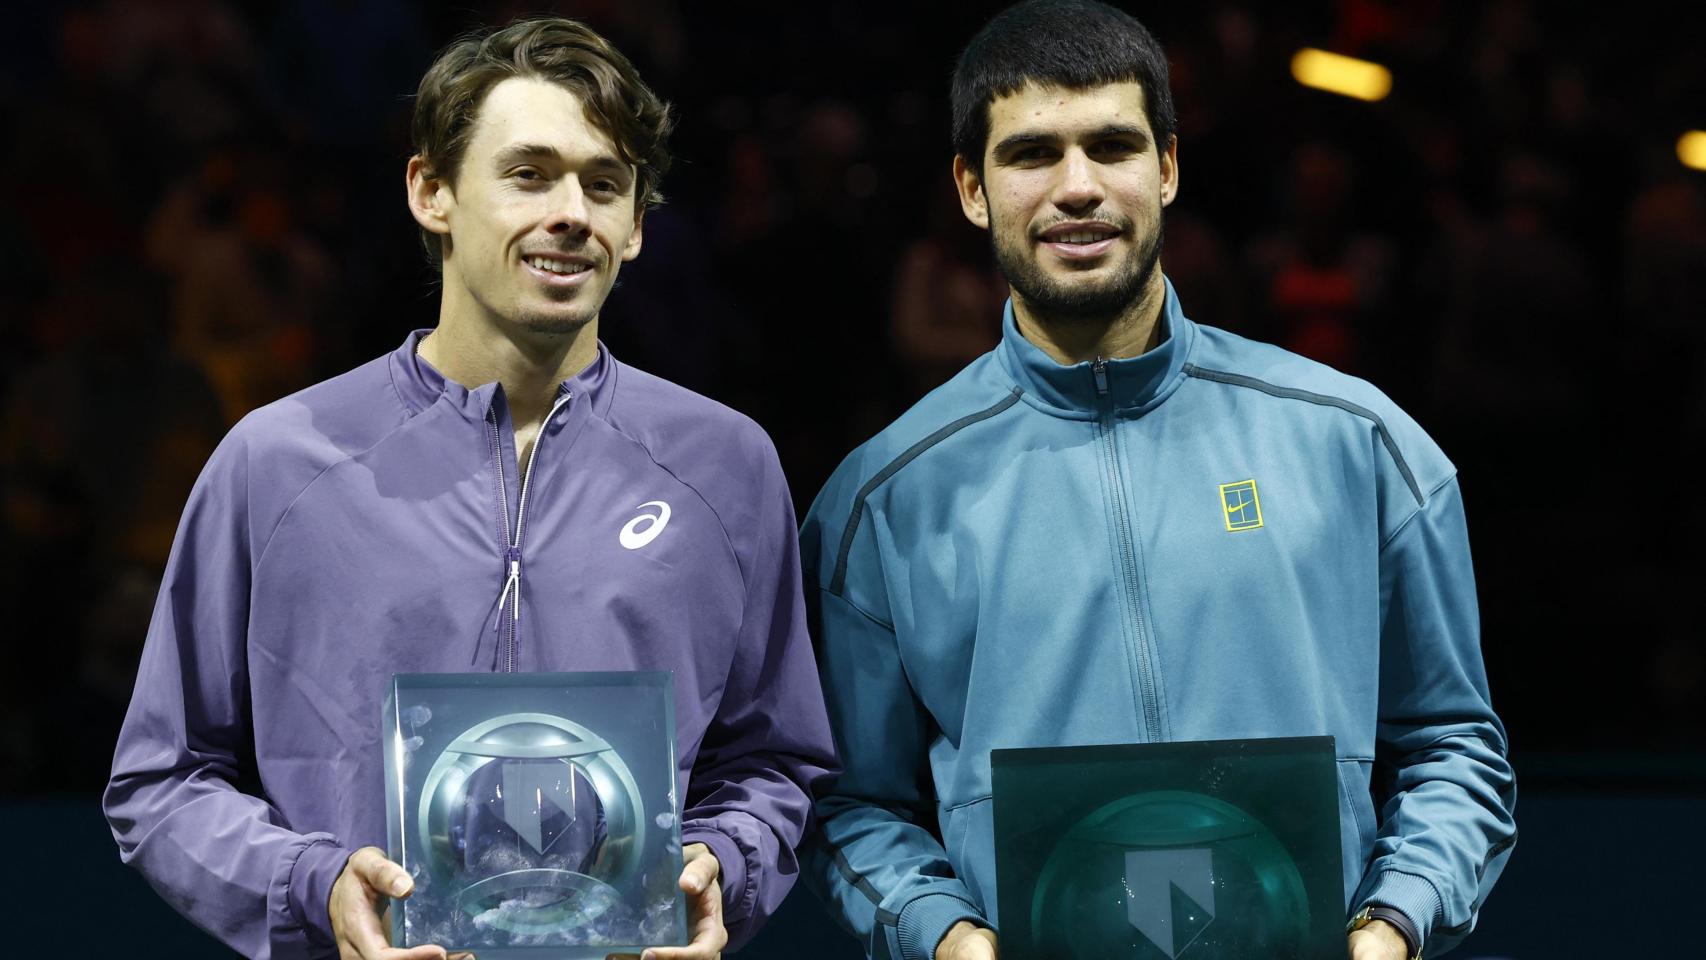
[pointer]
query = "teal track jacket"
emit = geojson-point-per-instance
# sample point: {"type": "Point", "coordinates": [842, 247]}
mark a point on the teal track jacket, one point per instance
{"type": "Point", "coordinates": [1217, 539]}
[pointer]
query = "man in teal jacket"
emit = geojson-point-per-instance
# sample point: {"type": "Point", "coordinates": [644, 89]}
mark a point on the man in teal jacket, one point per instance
{"type": "Point", "coordinates": [1121, 526]}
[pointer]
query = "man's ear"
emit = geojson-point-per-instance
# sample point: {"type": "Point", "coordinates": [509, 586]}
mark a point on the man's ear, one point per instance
{"type": "Point", "coordinates": [1170, 171]}
{"type": "Point", "coordinates": [631, 249]}
{"type": "Point", "coordinates": [429, 197]}
{"type": "Point", "coordinates": [973, 203]}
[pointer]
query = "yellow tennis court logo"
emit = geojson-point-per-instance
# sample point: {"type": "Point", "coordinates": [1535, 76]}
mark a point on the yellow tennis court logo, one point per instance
{"type": "Point", "coordinates": [1242, 505]}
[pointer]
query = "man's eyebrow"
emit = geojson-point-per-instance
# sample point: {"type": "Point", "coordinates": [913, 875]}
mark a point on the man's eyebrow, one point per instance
{"type": "Point", "coordinates": [1122, 130]}
{"type": "Point", "coordinates": [606, 162]}
{"type": "Point", "coordinates": [1026, 138]}
{"type": "Point", "coordinates": [516, 152]}
{"type": "Point", "coordinates": [519, 152]}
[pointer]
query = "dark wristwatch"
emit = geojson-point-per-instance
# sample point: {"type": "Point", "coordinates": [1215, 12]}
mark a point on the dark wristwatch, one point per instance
{"type": "Point", "coordinates": [1400, 922]}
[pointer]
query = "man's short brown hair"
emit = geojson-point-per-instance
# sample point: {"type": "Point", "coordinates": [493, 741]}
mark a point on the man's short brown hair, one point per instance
{"type": "Point", "coordinates": [564, 52]}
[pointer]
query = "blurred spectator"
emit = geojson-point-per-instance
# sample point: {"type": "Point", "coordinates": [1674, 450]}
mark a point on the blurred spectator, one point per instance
{"type": "Point", "coordinates": [100, 441]}
{"type": "Point", "coordinates": [248, 288]}
{"type": "Point", "coordinates": [1195, 259]}
{"type": "Point", "coordinates": [752, 203]}
{"type": "Point", "coordinates": [1322, 281]}
{"type": "Point", "coordinates": [190, 65]}
{"type": "Point", "coordinates": [1526, 301]}
{"type": "Point", "coordinates": [1659, 438]}
{"type": "Point", "coordinates": [948, 296]}
{"type": "Point", "coordinates": [1664, 294]}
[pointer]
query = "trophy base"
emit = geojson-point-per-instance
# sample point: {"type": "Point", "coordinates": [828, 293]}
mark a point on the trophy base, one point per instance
{"type": "Point", "coordinates": [538, 902]}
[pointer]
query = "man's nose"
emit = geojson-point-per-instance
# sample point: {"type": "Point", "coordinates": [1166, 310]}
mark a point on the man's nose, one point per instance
{"type": "Point", "coordinates": [1079, 187]}
{"type": "Point", "coordinates": [568, 213]}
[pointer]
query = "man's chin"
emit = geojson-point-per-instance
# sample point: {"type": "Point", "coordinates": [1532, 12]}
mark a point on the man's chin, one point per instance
{"type": "Point", "coordinates": [1082, 297]}
{"type": "Point", "coordinates": [1095, 291]}
{"type": "Point", "coordinates": [554, 324]}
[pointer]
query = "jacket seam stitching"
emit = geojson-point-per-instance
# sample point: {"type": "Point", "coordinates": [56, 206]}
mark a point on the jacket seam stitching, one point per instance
{"type": "Point", "coordinates": [838, 581]}
{"type": "Point", "coordinates": [1319, 399]}
{"type": "Point", "coordinates": [746, 581]}
{"type": "Point", "coordinates": [261, 557]}
{"type": "Point", "coordinates": [722, 525]}
{"type": "Point", "coordinates": [1405, 523]}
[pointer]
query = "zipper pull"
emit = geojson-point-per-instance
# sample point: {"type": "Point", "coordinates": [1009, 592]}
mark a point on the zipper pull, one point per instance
{"type": "Point", "coordinates": [512, 586]}
{"type": "Point", "coordinates": [1099, 367]}
{"type": "Point", "coordinates": [513, 554]}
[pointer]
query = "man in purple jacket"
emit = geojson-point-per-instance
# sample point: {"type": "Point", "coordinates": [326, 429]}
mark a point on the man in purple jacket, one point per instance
{"type": "Point", "coordinates": [497, 494]}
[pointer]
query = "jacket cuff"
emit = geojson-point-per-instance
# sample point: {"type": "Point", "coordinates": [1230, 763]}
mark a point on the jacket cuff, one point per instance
{"type": "Point", "coordinates": [310, 889]}
{"type": "Point", "coordinates": [926, 920]}
{"type": "Point", "coordinates": [731, 870]}
{"type": "Point", "coordinates": [1412, 896]}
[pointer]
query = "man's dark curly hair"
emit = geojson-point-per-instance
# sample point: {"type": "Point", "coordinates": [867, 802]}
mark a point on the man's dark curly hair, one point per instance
{"type": "Point", "coordinates": [1076, 44]}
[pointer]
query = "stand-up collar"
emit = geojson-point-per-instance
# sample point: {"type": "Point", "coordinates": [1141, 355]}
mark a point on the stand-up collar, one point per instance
{"type": "Point", "coordinates": [1135, 384]}
{"type": "Point", "coordinates": [420, 385]}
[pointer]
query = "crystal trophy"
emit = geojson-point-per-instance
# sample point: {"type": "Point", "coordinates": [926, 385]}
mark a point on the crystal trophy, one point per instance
{"type": "Point", "coordinates": [1208, 850]}
{"type": "Point", "coordinates": [535, 812]}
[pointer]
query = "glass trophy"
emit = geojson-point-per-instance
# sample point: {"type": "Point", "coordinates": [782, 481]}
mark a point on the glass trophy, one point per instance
{"type": "Point", "coordinates": [536, 813]}
{"type": "Point", "coordinates": [1210, 850]}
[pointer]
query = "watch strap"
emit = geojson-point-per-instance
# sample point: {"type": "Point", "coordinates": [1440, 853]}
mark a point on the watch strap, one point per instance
{"type": "Point", "coordinates": [1402, 924]}
{"type": "Point", "coordinates": [1399, 920]}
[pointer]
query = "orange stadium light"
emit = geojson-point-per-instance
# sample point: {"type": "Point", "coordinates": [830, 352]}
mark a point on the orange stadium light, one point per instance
{"type": "Point", "coordinates": [1691, 149]}
{"type": "Point", "coordinates": [1337, 73]}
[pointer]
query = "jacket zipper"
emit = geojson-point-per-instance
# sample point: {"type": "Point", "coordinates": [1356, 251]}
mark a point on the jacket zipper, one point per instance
{"type": "Point", "coordinates": [1129, 571]}
{"type": "Point", "coordinates": [512, 541]}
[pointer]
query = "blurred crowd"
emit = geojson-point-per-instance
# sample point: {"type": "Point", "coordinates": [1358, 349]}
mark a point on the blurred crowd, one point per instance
{"type": "Point", "coordinates": [206, 213]}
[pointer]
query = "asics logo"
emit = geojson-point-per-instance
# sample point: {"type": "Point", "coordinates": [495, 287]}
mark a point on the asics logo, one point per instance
{"type": "Point", "coordinates": [645, 528]}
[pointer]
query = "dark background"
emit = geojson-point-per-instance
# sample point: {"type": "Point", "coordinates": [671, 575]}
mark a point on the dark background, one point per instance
{"type": "Point", "coordinates": [204, 211]}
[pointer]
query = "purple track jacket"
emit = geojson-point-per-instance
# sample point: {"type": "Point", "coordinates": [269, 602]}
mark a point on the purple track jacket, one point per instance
{"type": "Point", "coordinates": [375, 524]}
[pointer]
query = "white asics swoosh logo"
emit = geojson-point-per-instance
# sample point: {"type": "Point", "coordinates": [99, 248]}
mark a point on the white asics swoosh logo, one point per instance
{"type": "Point", "coordinates": [634, 535]}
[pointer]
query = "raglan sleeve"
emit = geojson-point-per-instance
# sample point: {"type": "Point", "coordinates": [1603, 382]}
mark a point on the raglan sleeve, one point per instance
{"type": "Point", "coordinates": [1448, 795]}
{"type": "Point", "coordinates": [225, 859]}
{"type": "Point", "coordinates": [874, 860]}
{"type": "Point", "coordinates": [749, 798]}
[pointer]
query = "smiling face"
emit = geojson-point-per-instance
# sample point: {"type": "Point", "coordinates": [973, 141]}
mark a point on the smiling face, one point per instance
{"type": "Point", "coordinates": [541, 214]}
{"type": "Point", "coordinates": [1071, 190]}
